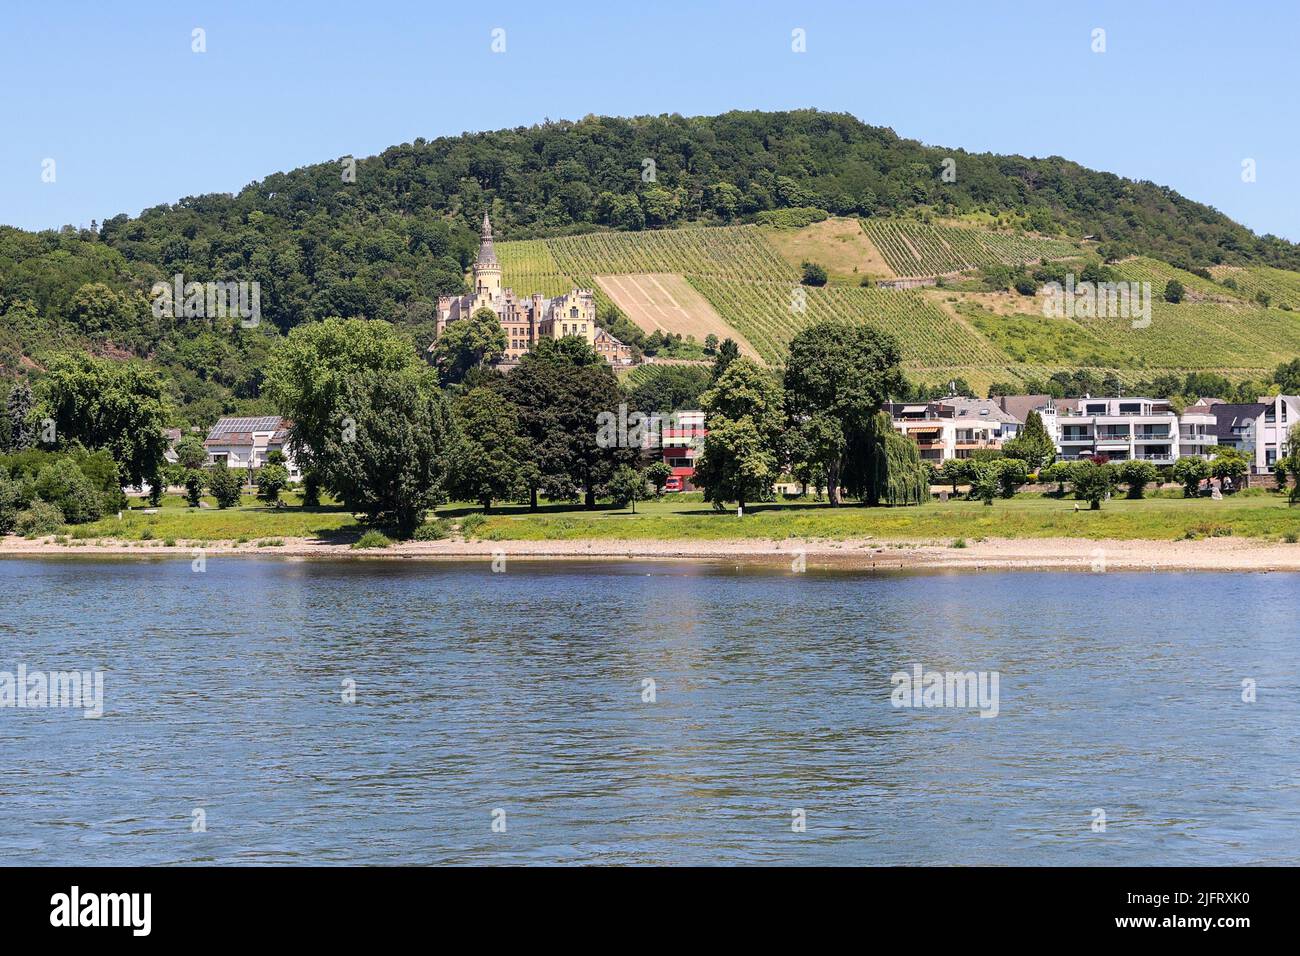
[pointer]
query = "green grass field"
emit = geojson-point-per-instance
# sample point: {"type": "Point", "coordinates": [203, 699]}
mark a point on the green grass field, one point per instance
{"type": "Point", "coordinates": [1254, 514]}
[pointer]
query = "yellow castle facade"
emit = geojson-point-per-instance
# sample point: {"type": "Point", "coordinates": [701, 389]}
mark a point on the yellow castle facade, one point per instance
{"type": "Point", "coordinates": [526, 319]}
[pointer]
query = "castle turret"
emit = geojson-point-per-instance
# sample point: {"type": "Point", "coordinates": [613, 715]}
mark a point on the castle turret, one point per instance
{"type": "Point", "coordinates": [487, 270]}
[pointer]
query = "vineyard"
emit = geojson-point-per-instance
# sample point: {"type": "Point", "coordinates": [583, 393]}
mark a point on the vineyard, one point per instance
{"type": "Point", "coordinates": [1282, 287]}
{"type": "Point", "coordinates": [529, 267]}
{"type": "Point", "coordinates": [770, 314]}
{"type": "Point", "coordinates": [1202, 335]}
{"type": "Point", "coordinates": [1143, 269]}
{"type": "Point", "coordinates": [917, 249]}
{"type": "Point", "coordinates": [733, 280]}
{"type": "Point", "coordinates": [733, 252]}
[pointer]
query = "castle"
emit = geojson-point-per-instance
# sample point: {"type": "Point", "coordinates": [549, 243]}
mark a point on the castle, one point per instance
{"type": "Point", "coordinates": [526, 320]}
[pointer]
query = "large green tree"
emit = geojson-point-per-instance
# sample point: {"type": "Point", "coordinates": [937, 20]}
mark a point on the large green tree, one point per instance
{"type": "Point", "coordinates": [743, 449]}
{"type": "Point", "coordinates": [493, 460]}
{"type": "Point", "coordinates": [101, 403]}
{"type": "Point", "coordinates": [367, 418]}
{"type": "Point", "coordinates": [562, 393]}
{"type": "Point", "coordinates": [1033, 446]}
{"type": "Point", "coordinates": [842, 373]}
{"type": "Point", "coordinates": [469, 343]}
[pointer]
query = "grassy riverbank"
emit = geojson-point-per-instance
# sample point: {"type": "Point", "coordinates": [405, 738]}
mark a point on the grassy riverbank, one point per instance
{"type": "Point", "coordinates": [1257, 515]}
{"type": "Point", "coordinates": [1254, 515]}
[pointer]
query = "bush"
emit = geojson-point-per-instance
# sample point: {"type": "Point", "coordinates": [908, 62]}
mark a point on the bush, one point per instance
{"type": "Point", "coordinates": [1092, 482]}
{"type": "Point", "coordinates": [11, 495]}
{"type": "Point", "coordinates": [65, 486]}
{"type": "Point", "coordinates": [41, 518]}
{"type": "Point", "coordinates": [271, 480]}
{"type": "Point", "coordinates": [373, 539]}
{"type": "Point", "coordinates": [794, 217]}
{"type": "Point", "coordinates": [813, 274]}
{"type": "Point", "coordinates": [1137, 475]}
{"type": "Point", "coordinates": [434, 529]}
{"type": "Point", "coordinates": [225, 486]}
{"type": "Point", "coordinates": [193, 482]}
{"type": "Point", "coordinates": [1189, 471]}
{"type": "Point", "coordinates": [1174, 291]}
{"type": "Point", "coordinates": [311, 490]}
{"type": "Point", "coordinates": [470, 524]}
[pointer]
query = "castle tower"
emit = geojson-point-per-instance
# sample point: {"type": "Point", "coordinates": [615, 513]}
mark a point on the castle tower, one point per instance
{"type": "Point", "coordinates": [487, 270]}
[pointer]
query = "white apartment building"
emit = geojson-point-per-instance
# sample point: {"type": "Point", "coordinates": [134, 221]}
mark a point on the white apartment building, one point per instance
{"type": "Point", "coordinates": [1133, 428]}
{"type": "Point", "coordinates": [953, 427]}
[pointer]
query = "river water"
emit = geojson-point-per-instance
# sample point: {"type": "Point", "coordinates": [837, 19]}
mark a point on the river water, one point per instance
{"type": "Point", "coordinates": [663, 712]}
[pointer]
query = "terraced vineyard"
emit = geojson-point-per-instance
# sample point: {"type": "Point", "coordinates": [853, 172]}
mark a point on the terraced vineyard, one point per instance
{"type": "Point", "coordinates": [733, 252]}
{"type": "Point", "coordinates": [917, 249]}
{"type": "Point", "coordinates": [1203, 335]}
{"type": "Point", "coordinates": [528, 266]}
{"type": "Point", "coordinates": [770, 314]}
{"type": "Point", "coordinates": [1281, 286]}
{"type": "Point", "coordinates": [754, 291]}
{"type": "Point", "coordinates": [1143, 269]}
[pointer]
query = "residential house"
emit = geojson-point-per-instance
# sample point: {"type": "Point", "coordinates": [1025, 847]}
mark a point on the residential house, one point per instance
{"type": "Point", "coordinates": [246, 443]}
{"type": "Point", "coordinates": [611, 349]}
{"type": "Point", "coordinates": [677, 441]}
{"type": "Point", "coordinates": [1259, 430]}
{"type": "Point", "coordinates": [953, 427]}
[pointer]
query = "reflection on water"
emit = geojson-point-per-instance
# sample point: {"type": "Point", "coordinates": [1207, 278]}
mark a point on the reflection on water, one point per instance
{"type": "Point", "coordinates": [523, 692]}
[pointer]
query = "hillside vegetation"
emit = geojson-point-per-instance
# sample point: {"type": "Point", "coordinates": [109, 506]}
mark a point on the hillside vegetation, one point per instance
{"type": "Point", "coordinates": [580, 201]}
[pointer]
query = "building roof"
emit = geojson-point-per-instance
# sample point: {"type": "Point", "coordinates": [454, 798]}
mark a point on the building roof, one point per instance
{"type": "Point", "coordinates": [1229, 415]}
{"type": "Point", "coordinates": [984, 409]}
{"type": "Point", "coordinates": [1019, 406]}
{"type": "Point", "coordinates": [239, 431]}
{"type": "Point", "coordinates": [486, 254]}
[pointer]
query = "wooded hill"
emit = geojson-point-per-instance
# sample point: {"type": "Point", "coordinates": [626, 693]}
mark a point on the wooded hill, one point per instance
{"type": "Point", "coordinates": [386, 242]}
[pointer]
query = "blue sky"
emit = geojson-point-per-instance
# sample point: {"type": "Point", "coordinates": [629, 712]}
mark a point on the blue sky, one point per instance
{"type": "Point", "coordinates": [133, 118]}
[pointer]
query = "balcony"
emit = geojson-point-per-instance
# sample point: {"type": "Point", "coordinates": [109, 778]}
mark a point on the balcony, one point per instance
{"type": "Point", "coordinates": [1077, 439]}
{"type": "Point", "coordinates": [1153, 436]}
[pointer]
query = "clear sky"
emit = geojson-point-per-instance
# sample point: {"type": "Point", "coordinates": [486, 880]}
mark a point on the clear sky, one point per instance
{"type": "Point", "coordinates": [112, 92]}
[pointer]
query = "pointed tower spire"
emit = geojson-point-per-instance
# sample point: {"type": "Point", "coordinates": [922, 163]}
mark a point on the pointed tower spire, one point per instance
{"type": "Point", "coordinates": [487, 270]}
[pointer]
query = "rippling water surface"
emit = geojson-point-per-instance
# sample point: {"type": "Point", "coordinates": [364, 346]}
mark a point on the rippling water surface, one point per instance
{"type": "Point", "coordinates": [522, 692]}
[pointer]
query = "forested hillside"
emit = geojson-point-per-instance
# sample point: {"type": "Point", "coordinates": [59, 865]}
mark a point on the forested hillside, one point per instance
{"type": "Point", "coordinates": [384, 238]}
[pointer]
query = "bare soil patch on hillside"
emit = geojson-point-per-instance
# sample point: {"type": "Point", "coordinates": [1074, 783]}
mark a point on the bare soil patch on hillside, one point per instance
{"type": "Point", "coordinates": [667, 302]}
{"type": "Point", "coordinates": [839, 245]}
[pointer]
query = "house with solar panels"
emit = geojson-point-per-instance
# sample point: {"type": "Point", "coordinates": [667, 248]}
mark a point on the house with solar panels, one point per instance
{"type": "Point", "coordinates": [246, 442]}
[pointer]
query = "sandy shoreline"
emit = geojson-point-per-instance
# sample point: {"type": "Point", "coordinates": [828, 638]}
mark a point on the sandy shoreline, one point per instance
{"type": "Point", "coordinates": [1028, 554]}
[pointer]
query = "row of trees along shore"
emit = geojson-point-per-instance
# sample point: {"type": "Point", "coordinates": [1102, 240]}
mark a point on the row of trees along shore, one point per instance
{"type": "Point", "coordinates": [391, 436]}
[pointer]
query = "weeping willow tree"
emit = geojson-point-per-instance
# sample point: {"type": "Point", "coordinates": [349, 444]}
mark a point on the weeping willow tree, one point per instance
{"type": "Point", "coordinates": [883, 467]}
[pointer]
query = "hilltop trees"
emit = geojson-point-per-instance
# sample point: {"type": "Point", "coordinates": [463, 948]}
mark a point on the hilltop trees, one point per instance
{"type": "Point", "coordinates": [742, 451]}
{"type": "Point", "coordinates": [836, 379]}
{"type": "Point", "coordinates": [18, 408]}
